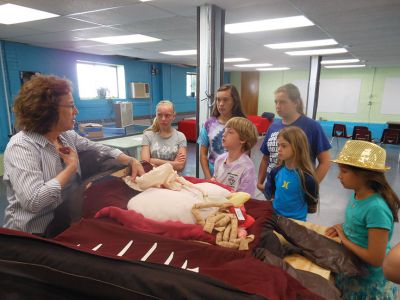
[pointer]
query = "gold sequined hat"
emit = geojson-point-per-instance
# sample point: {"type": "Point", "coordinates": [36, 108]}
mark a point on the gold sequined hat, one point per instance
{"type": "Point", "coordinates": [362, 154]}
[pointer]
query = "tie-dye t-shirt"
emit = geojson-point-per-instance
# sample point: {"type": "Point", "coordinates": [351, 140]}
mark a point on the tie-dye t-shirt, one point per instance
{"type": "Point", "coordinates": [211, 137]}
{"type": "Point", "coordinates": [239, 174]}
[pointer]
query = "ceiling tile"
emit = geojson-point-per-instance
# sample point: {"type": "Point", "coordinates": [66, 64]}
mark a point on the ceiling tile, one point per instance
{"type": "Point", "coordinates": [124, 15]}
{"type": "Point", "coordinates": [162, 24]}
{"type": "Point", "coordinates": [370, 28]}
{"type": "Point", "coordinates": [9, 31]}
{"type": "Point", "coordinates": [66, 7]}
{"type": "Point", "coordinates": [56, 24]}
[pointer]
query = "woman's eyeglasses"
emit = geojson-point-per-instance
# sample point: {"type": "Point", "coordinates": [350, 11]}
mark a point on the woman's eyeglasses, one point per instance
{"type": "Point", "coordinates": [72, 106]}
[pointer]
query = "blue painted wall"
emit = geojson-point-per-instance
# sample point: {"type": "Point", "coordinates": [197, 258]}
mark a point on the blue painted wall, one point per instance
{"type": "Point", "coordinates": [3, 106]}
{"type": "Point", "coordinates": [327, 126]}
{"type": "Point", "coordinates": [168, 82]}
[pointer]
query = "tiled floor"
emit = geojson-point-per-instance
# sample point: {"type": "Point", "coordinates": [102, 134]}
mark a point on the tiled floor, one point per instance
{"type": "Point", "coordinates": [333, 196]}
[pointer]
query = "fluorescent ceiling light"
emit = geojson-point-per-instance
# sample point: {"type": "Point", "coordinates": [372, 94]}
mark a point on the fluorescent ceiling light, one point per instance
{"type": "Point", "coordinates": [339, 61]}
{"type": "Point", "coordinates": [180, 52]}
{"type": "Point", "coordinates": [318, 51]}
{"type": "Point", "coordinates": [274, 69]}
{"type": "Point", "coordinates": [253, 65]}
{"type": "Point", "coordinates": [304, 44]}
{"type": "Point", "coordinates": [269, 24]}
{"type": "Point", "coordinates": [14, 14]}
{"type": "Point", "coordinates": [145, 0]}
{"type": "Point", "coordinates": [235, 59]}
{"type": "Point", "coordinates": [344, 66]}
{"type": "Point", "coordinates": [125, 39]}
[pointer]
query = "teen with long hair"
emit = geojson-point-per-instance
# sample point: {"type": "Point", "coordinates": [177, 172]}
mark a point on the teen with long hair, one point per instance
{"type": "Point", "coordinates": [370, 213]}
{"type": "Point", "coordinates": [289, 107]}
{"type": "Point", "coordinates": [161, 142]}
{"type": "Point", "coordinates": [226, 105]}
{"type": "Point", "coordinates": [293, 185]}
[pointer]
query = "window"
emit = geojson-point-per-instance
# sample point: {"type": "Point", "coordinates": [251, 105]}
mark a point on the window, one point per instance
{"type": "Point", "coordinates": [100, 81]}
{"type": "Point", "coordinates": [191, 84]}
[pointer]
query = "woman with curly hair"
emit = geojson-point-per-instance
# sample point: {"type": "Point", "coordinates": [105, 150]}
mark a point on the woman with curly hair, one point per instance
{"type": "Point", "coordinates": [41, 165]}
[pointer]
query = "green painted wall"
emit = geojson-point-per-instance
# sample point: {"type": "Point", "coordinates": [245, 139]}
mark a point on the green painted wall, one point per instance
{"type": "Point", "coordinates": [372, 85]}
{"type": "Point", "coordinates": [1, 165]}
{"type": "Point", "coordinates": [236, 80]}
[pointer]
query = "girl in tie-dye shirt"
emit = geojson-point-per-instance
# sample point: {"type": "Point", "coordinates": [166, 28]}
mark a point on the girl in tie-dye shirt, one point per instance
{"type": "Point", "coordinates": [226, 105]}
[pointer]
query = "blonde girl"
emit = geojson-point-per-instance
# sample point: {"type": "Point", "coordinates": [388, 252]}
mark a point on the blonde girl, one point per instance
{"type": "Point", "coordinates": [370, 213]}
{"type": "Point", "coordinates": [293, 185]}
{"type": "Point", "coordinates": [161, 142]}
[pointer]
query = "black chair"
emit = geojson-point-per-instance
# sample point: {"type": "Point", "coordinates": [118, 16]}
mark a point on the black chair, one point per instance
{"type": "Point", "coordinates": [392, 137]}
{"type": "Point", "coordinates": [362, 133]}
{"type": "Point", "coordinates": [268, 115]}
{"type": "Point", "coordinates": [339, 131]}
{"type": "Point", "coordinates": [358, 130]}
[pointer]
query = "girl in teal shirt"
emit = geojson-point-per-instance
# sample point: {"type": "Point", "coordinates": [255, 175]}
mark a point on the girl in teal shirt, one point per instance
{"type": "Point", "coordinates": [369, 218]}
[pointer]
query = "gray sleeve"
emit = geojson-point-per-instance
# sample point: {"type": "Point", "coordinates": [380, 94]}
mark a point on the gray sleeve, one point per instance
{"type": "Point", "coordinates": [181, 140]}
{"type": "Point", "coordinates": [146, 140]}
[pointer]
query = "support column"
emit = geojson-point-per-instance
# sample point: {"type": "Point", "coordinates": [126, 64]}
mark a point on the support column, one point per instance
{"type": "Point", "coordinates": [210, 63]}
{"type": "Point", "coordinates": [313, 87]}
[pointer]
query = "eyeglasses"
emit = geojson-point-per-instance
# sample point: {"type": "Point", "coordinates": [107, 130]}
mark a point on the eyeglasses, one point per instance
{"type": "Point", "coordinates": [72, 106]}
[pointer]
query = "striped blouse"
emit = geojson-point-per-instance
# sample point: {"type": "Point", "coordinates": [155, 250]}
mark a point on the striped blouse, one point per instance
{"type": "Point", "coordinates": [31, 164]}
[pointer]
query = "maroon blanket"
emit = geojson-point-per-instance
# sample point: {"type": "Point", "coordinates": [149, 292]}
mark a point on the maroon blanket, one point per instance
{"type": "Point", "coordinates": [234, 267]}
{"type": "Point", "coordinates": [107, 238]}
{"type": "Point", "coordinates": [230, 266]}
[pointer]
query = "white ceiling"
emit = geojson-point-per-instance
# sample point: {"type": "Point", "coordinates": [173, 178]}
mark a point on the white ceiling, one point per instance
{"type": "Point", "coordinates": [369, 29]}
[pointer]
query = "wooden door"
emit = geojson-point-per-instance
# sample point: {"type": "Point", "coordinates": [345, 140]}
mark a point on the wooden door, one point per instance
{"type": "Point", "coordinates": [249, 92]}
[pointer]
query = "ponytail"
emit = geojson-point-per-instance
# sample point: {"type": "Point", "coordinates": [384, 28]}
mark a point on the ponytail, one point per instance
{"type": "Point", "coordinates": [293, 94]}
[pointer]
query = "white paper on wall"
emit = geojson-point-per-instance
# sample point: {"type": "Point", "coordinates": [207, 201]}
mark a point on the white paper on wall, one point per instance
{"type": "Point", "coordinates": [391, 96]}
{"type": "Point", "coordinates": [339, 95]}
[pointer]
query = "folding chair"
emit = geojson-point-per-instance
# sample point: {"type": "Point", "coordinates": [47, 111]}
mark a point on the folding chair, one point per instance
{"type": "Point", "coordinates": [357, 130]}
{"type": "Point", "coordinates": [362, 133]}
{"type": "Point", "coordinates": [339, 131]}
{"type": "Point", "coordinates": [392, 137]}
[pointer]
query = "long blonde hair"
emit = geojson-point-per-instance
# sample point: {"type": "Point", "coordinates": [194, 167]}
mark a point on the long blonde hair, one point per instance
{"type": "Point", "coordinates": [293, 94]}
{"type": "Point", "coordinates": [155, 127]}
{"type": "Point", "coordinates": [297, 139]}
{"type": "Point", "coordinates": [378, 183]}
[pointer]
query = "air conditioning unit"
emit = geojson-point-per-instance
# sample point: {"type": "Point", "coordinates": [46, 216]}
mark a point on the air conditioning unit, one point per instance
{"type": "Point", "coordinates": [140, 90]}
{"type": "Point", "coordinates": [123, 114]}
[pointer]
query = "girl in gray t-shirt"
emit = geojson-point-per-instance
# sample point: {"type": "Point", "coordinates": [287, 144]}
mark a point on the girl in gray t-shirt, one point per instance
{"type": "Point", "coordinates": [161, 142]}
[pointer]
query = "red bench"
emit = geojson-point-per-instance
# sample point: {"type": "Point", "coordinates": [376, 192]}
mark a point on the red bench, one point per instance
{"type": "Point", "coordinates": [262, 124]}
{"type": "Point", "coordinates": [188, 128]}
